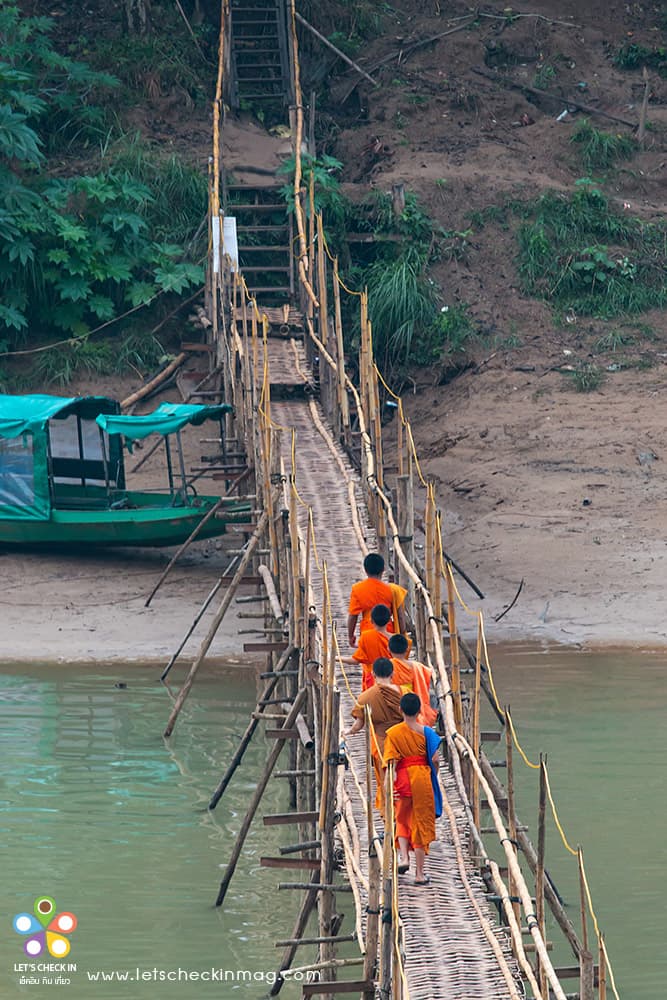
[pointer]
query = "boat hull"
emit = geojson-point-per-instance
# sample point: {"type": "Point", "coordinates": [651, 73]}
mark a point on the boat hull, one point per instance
{"type": "Point", "coordinates": [141, 525]}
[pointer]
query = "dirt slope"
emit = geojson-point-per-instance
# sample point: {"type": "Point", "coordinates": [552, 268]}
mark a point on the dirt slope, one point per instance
{"type": "Point", "coordinates": [538, 482]}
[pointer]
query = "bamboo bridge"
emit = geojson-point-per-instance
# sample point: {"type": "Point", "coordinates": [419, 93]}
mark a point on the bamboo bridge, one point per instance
{"type": "Point", "coordinates": [312, 440]}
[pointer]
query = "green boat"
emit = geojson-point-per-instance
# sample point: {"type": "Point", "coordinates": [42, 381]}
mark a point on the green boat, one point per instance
{"type": "Point", "coordinates": [62, 475]}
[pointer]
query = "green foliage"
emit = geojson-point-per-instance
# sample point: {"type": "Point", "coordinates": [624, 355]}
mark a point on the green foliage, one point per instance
{"type": "Point", "coordinates": [544, 76]}
{"type": "Point", "coordinates": [614, 340]}
{"type": "Point", "coordinates": [587, 377]}
{"type": "Point", "coordinates": [165, 62]}
{"type": "Point", "coordinates": [580, 253]}
{"type": "Point", "coordinates": [75, 252]}
{"type": "Point", "coordinates": [400, 302]}
{"type": "Point", "coordinates": [327, 194]}
{"type": "Point", "coordinates": [43, 89]}
{"type": "Point", "coordinates": [179, 193]}
{"type": "Point", "coordinates": [632, 56]}
{"type": "Point", "coordinates": [600, 150]}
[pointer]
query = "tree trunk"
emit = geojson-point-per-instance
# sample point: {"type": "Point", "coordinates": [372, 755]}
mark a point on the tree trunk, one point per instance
{"type": "Point", "coordinates": [137, 17]}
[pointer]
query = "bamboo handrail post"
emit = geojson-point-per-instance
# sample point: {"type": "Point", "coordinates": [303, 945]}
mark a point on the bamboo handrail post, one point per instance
{"type": "Point", "coordinates": [387, 937]}
{"type": "Point", "coordinates": [475, 740]}
{"type": "Point", "coordinates": [602, 974]}
{"type": "Point", "coordinates": [453, 646]}
{"type": "Point", "coordinates": [327, 950]}
{"type": "Point", "coordinates": [374, 874]}
{"type": "Point", "coordinates": [582, 898]}
{"type": "Point", "coordinates": [539, 875]}
{"type": "Point", "coordinates": [256, 798]}
{"type": "Point", "coordinates": [343, 400]}
{"type": "Point", "coordinates": [511, 812]}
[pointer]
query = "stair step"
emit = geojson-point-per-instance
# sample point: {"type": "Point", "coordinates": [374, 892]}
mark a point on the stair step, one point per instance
{"type": "Point", "coordinates": [269, 288]}
{"type": "Point", "coordinates": [258, 208]}
{"type": "Point", "coordinates": [259, 79]}
{"type": "Point", "coordinates": [274, 248]}
{"type": "Point", "coordinates": [264, 269]}
{"type": "Point", "coordinates": [262, 229]}
{"type": "Point", "coordinates": [264, 97]}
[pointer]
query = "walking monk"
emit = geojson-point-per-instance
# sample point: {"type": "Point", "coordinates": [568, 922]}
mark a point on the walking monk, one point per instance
{"type": "Point", "coordinates": [366, 594]}
{"type": "Point", "coordinates": [412, 676]}
{"type": "Point", "coordinates": [373, 643]}
{"type": "Point", "coordinates": [417, 793]}
{"type": "Point", "coordinates": [383, 699]}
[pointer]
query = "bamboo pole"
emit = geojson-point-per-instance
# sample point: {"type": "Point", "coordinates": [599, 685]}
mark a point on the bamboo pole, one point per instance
{"type": "Point", "coordinates": [475, 735]}
{"type": "Point", "coordinates": [374, 873]}
{"type": "Point", "coordinates": [602, 975]}
{"type": "Point", "coordinates": [256, 798]}
{"type": "Point", "coordinates": [327, 950]}
{"type": "Point", "coordinates": [453, 647]}
{"type": "Point", "coordinates": [154, 382]}
{"type": "Point", "coordinates": [307, 906]}
{"type": "Point", "coordinates": [430, 558]}
{"type": "Point", "coordinates": [387, 943]}
{"type": "Point", "coordinates": [330, 45]}
{"type": "Point", "coordinates": [215, 624]}
{"type": "Point", "coordinates": [251, 727]}
{"type": "Point", "coordinates": [193, 534]}
{"type": "Point", "coordinates": [343, 401]}
{"type": "Point", "coordinates": [511, 813]}
{"type": "Point", "coordinates": [539, 875]}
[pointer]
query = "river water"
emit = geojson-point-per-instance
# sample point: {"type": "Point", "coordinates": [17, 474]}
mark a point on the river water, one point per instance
{"type": "Point", "coordinates": [600, 718]}
{"type": "Point", "coordinates": [100, 813]}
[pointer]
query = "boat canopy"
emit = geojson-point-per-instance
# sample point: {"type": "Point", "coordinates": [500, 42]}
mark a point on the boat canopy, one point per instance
{"type": "Point", "coordinates": [28, 414]}
{"type": "Point", "coordinates": [168, 418]}
{"type": "Point", "coordinates": [49, 441]}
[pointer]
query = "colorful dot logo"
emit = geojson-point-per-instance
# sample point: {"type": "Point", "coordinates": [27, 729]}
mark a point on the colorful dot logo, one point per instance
{"type": "Point", "coordinates": [43, 930]}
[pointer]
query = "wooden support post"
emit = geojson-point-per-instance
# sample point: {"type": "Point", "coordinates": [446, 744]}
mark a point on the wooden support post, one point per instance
{"type": "Point", "coordinates": [270, 588]}
{"type": "Point", "coordinates": [256, 798]}
{"type": "Point", "coordinates": [602, 974]}
{"type": "Point", "coordinates": [327, 950]}
{"type": "Point", "coordinates": [343, 399]}
{"type": "Point", "coordinates": [251, 727]}
{"type": "Point", "coordinates": [430, 558]}
{"type": "Point", "coordinates": [539, 875]}
{"type": "Point", "coordinates": [474, 741]}
{"type": "Point", "coordinates": [511, 811]}
{"type": "Point", "coordinates": [215, 624]}
{"type": "Point", "coordinates": [305, 910]}
{"type": "Point", "coordinates": [453, 647]}
{"type": "Point", "coordinates": [586, 976]}
{"type": "Point", "coordinates": [387, 937]}
{"type": "Point", "coordinates": [406, 529]}
{"type": "Point", "coordinates": [374, 872]}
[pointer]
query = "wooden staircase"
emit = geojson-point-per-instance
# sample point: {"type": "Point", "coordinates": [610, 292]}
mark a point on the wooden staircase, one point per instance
{"type": "Point", "coordinates": [260, 60]}
{"type": "Point", "coordinates": [264, 234]}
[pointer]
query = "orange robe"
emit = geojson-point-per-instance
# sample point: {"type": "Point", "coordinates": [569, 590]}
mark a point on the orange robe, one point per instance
{"type": "Point", "coordinates": [383, 701]}
{"type": "Point", "coordinates": [415, 806]}
{"type": "Point", "coordinates": [367, 593]}
{"type": "Point", "coordinates": [372, 644]}
{"type": "Point", "coordinates": [413, 676]}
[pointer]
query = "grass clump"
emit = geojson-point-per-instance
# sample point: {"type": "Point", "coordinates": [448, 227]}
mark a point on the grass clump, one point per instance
{"type": "Point", "coordinates": [587, 377]}
{"type": "Point", "coordinates": [633, 56]}
{"type": "Point", "coordinates": [600, 150]}
{"type": "Point", "coordinates": [579, 253]}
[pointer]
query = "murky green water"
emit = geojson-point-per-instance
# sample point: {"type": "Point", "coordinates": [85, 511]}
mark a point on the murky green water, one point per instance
{"type": "Point", "coordinates": [600, 717]}
{"type": "Point", "coordinates": [100, 813]}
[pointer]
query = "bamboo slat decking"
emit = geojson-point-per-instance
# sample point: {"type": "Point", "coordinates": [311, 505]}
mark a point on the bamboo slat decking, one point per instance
{"type": "Point", "coordinates": [447, 954]}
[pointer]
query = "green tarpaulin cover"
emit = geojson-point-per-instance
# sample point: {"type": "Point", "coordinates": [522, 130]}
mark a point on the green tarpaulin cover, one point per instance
{"type": "Point", "coordinates": [22, 414]}
{"type": "Point", "coordinates": [167, 419]}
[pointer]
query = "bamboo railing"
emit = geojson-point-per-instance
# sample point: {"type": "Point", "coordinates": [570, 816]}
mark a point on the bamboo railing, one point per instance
{"type": "Point", "coordinates": [352, 410]}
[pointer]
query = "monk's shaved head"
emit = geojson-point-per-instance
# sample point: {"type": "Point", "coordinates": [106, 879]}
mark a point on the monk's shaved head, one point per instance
{"type": "Point", "coordinates": [382, 667]}
{"type": "Point", "coordinates": [380, 615]}
{"type": "Point", "coordinates": [411, 704]}
{"type": "Point", "coordinates": [374, 564]}
{"type": "Point", "coordinates": [398, 644]}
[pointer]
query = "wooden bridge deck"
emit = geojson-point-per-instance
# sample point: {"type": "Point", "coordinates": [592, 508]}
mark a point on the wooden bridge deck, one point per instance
{"type": "Point", "coordinates": [447, 952]}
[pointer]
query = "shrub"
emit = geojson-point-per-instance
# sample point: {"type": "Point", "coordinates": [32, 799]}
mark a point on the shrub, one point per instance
{"type": "Point", "coordinates": [600, 150]}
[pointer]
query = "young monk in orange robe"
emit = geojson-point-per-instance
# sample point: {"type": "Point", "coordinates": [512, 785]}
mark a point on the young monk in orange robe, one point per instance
{"type": "Point", "coordinates": [416, 789]}
{"type": "Point", "coordinates": [411, 675]}
{"type": "Point", "coordinates": [383, 699]}
{"type": "Point", "coordinates": [373, 643]}
{"type": "Point", "coordinates": [366, 594]}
